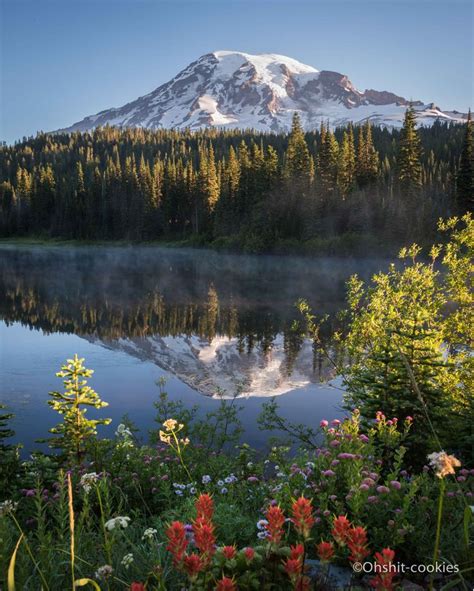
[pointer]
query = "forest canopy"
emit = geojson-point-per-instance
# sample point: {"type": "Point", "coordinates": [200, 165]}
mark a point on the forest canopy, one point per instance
{"type": "Point", "coordinates": [243, 189]}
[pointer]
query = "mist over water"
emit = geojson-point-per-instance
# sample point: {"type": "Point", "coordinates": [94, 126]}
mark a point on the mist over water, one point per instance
{"type": "Point", "coordinates": [208, 322]}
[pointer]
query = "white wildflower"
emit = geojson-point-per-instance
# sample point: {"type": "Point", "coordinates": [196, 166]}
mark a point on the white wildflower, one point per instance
{"type": "Point", "coordinates": [123, 431]}
{"type": "Point", "coordinates": [224, 490]}
{"type": "Point", "coordinates": [7, 507]}
{"type": "Point", "coordinates": [121, 522]}
{"type": "Point", "coordinates": [206, 479]}
{"type": "Point", "coordinates": [149, 533]}
{"type": "Point", "coordinates": [127, 560]}
{"type": "Point", "coordinates": [103, 572]}
{"type": "Point", "coordinates": [88, 481]}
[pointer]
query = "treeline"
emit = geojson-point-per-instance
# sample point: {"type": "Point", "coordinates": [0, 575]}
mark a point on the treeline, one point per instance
{"type": "Point", "coordinates": [250, 189]}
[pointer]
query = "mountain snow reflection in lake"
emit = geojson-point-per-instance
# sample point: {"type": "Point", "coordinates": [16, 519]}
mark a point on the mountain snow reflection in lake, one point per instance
{"type": "Point", "coordinates": [208, 322]}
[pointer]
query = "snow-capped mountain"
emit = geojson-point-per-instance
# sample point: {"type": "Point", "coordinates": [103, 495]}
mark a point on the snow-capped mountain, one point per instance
{"type": "Point", "coordinates": [231, 89]}
{"type": "Point", "coordinates": [217, 365]}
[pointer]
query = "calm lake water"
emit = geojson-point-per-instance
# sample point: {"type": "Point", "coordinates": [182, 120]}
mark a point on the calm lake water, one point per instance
{"type": "Point", "coordinates": [211, 324]}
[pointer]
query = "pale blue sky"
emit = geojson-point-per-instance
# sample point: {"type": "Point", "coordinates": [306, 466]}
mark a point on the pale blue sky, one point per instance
{"type": "Point", "coordinates": [64, 59]}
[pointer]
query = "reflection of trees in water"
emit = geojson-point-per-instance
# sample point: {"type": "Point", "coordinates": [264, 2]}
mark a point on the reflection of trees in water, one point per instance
{"type": "Point", "coordinates": [113, 299]}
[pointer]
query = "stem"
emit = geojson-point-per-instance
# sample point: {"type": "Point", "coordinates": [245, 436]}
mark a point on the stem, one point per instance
{"type": "Point", "coordinates": [28, 549]}
{"type": "Point", "coordinates": [442, 486]}
{"type": "Point", "coordinates": [178, 452]}
{"type": "Point", "coordinates": [104, 529]}
{"type": "Point", "coordinates": [71, 528]}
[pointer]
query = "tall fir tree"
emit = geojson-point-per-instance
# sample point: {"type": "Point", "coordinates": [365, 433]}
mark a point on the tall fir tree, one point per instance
{"type": "Point", "coordinates": [465, 176]}
{"type": "Point", "coordinates": [409, 156]}
{"type": "Point", "coordinates": [347, 163]}
{"type": "Point", "coordinates": [327, 163]}
{"type": "Point", "coordinates": [298, 161]}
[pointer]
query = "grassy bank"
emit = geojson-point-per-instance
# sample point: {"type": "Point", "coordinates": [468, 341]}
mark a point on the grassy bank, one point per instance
{"type": "Point", "coordinates": [342, 245]}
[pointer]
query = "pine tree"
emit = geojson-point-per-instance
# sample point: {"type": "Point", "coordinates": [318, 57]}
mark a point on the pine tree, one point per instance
{"type": "Point", "coordinates": [44, 198]}
{"type": "Point", "coordinates": [212, 182]}
{"type": "Point", "coordinates": [367, 157]}
{"type": "Point", "coordinates": [327, 163]}
{"type": "Point", "coordinates": [396, 345]}
{"type": "Point", "coordinates": [73, 434]}
{"type": "Point", "coordinates": [465, 176]}
{"type": "Point", "coordinates": [298, 162]}
{"type": "Point", "coordinates": [79, 203]}
{"type": "Point", "coordinates": [372, 157]}
{"type": "Point", "coordinates": [346, 164]}
{"type": "Point", "coordinates": [409, 156]}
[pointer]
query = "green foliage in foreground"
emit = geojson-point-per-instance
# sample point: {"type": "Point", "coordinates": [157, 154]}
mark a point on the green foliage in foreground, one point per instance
{"type": "Point", "coordinates": [99, 511]}
{"type": "Point", "coordinates": [75, 429]}
{"type": "Point", "coordinates": [125, 495]}
{"type": "Point", "coordinates": [407, 345]}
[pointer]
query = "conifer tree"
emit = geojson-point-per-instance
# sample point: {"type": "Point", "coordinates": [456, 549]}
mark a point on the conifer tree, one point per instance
{"type": "Point", "coordinates": [73, 434]}
{"type": "Point", "coordinates": [44, 197]}
{"type": "Point", "coordinates": [298, 161]}
{"type": "Point", "coordinates": [327, 163]}
{"type": "Point", "coordinates": [465, 176]}
{"type": "Point", "coordinates": [409, 156]}
{"type": "Point", "coordinates": [367, 157]}
{"type": "Point", "coordinates": [346, 165]}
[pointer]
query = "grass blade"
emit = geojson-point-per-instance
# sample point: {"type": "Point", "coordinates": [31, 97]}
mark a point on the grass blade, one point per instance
{"type": "Point", "coordinates": [11, 568]}
{"type": "Point", "coordinates": [84, 582]}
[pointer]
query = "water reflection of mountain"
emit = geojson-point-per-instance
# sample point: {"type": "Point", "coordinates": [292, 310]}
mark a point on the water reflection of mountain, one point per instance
{"type": "Point", "coordinates": [214, 320]}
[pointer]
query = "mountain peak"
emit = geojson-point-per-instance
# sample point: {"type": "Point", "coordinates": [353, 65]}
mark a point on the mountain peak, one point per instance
{"type": "Point", "coordinates": [234, 89]}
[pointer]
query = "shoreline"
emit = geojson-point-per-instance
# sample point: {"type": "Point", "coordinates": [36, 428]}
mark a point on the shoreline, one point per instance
{"type": "Point", "coordinates": [345, 245]}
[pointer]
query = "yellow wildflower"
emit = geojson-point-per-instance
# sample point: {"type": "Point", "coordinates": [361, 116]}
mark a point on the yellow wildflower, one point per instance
{"type": "Point", "coordinates": [443, 464]}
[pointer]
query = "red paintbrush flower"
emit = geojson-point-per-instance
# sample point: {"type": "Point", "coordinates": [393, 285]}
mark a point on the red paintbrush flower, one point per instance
{"type": "Point", "coordinates": [249, 554]}
{"type": "Point", "coordinates": [137, 587]}
{"type": "Point", "coordinates": [297, 551]}
{"type": "Point", "coordinates": [386, 570]}
{"type": "Point", "coordinates": [302, 516]}
{"type": "Point", "coordinates": [294, 564]}
{"type": "Point", "coordinates": [292, 567]}
{"type": "Point", "coordinates": [193, 565]}
{"type": "Point", "coordinates": [226, 584]}
{"type": "Point", "coordinates": [340, 530]}
{"type": "Point", "coordinates": [177, 542]}
{"type": "Point", "coordinates": [204, 538]}
{"type": "Point", "coordinates": [229, 552]}
{"type": "Point", "coordinates": [325, 551]}
{"type": "Point", "coordinates": [357, 544]}
{"type": "Point", "coordinates": [205, 507]}
{"type": "Point", "coordinates": [274, 527]}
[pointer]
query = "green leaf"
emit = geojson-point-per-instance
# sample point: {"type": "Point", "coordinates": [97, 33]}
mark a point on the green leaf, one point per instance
{"type": "Point", "coordinates": [468, 512]}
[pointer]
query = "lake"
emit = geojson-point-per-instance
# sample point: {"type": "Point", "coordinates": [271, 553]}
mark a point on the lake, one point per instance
{"type": "Point", "coordinates": [212, 324]}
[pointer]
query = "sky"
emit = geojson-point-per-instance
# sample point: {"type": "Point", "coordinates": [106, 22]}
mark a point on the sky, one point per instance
{"type": "Point", "coordinates": [62, 60]}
